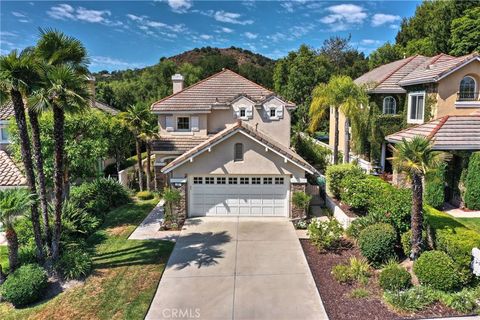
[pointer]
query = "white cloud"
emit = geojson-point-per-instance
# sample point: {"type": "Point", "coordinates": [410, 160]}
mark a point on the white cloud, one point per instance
{"type": "Point", "coordinates": [344, 16]}
{"type": "Point", "coordinates": [226, 30]}
{"type": "Point", "coordinates": [144, 23]}
{"type": "Point", "coordinates": [180, 6]}
{"type": "Point", "coordinates": [7, 34]}
{"type": "Point", "coordinates": [103, 61]}
{"type": "Point", "coordinates": [250, 35]}
{"type": "Point", "coordinates": [379, 19]}
{"type": "Point", "coordinates": [394, 26]}
{"type": "Point", "coordinates": [67, 12]}
{"type": "Point", "coordinates": [369, 42]}
{"type": "Point", "coordinates": [18, 14]}
{"type": "Point", "coordinates": [62, 11]}
{"type": "Point", "coordinates": [231, 17]}
{"type": "Point", "coordinates": [93, 16]}
{"type": "Point", "coordinates": [206, 36]}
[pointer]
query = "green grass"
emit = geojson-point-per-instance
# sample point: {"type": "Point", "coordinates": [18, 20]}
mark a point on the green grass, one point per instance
{"type": "Point", "coordinates": [125, 276]}
{"type": "Point", "coordinates": [472, 223]}
{"type": "Point", "coordinates": [4, 258]}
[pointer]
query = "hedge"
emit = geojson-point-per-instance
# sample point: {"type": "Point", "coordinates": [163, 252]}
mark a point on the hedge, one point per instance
{"type": "Point", "coordinates": [312, 152]}
{"type": "Point", "coordinates": [361, 191]}
{"type": "Point", "coordinates": [396, 205]}
{"type": "Point", "coordinates": [472, 183]}
{"type": "Point", "coordinates": [337, 173]}
{"type": "Point", "coordinates": [435, 187]}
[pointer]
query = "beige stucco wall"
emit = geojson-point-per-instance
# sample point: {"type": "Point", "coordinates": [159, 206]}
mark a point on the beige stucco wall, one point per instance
{"type": "Point", "coordinates": [448, 88]}
{"type": "Point", "coordinates": [341, 130]}
{"type": "Point", "coordinates": [256, 161]}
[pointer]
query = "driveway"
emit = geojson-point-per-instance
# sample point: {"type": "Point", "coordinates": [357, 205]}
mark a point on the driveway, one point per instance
{"type": "Point", "coordinates": [237, 268]}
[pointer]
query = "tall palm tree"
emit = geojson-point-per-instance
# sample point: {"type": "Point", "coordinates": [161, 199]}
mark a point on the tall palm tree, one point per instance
{"type": "Point", "coordinates": [416, 158]}
{"type": "Point", "coordinates": [135, 119]}
{"type": "Point", "coordinates": [148, 135]}
{"type": "Point", "coordinates": [13, 203]}
{"type": "Point", "coordinates": [16, 72]}
{"type": "Point", "coordinates": [341, 94]}
{"type": "Point", "coordinates": [63, 90]}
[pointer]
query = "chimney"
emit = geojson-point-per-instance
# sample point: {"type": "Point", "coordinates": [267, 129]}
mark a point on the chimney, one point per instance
{"type": "Point", "coordinates": [177, 80]}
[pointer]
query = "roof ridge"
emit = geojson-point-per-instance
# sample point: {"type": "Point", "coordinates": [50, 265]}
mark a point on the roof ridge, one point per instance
{"type": "Point", "coordinates": [466, 58]}
{"type": "Point", "coordinates": [437, 127]}
{"type": "Point", "coordinates": [396, 69]}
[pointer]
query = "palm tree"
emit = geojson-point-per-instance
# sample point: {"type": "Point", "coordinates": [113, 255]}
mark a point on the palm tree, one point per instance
{"type": "Point", "coordinates": [341, 94]}
{"type": "Point", "coordinates": [148, 135]}
{"type": "Point", "coordinates": [13, 203]}
{"type": "Point", "coordinates": [135, 119]}
{"type": "Point", "coordinates": [416, 158]}
{"type": "Point", "coordinates": [17, 71]}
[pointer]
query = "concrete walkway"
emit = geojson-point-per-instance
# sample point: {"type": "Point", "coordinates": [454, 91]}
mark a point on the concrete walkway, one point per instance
{"type": "Point", "coordinates": [459, 213]}
{"type": "Point", "coordinates": [237, 268]}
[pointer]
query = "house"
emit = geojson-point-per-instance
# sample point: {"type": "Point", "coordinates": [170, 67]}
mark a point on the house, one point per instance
{"type": "Point", "coordinates": [419, 90]}
{"type": "Point", "coordinates": [225, 144]}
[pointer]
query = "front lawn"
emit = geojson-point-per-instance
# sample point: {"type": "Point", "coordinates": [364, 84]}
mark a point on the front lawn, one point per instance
{"type": "Point", "coordinates": [472, 223]}
{"type": "Point", "coordinates": [125, 276]}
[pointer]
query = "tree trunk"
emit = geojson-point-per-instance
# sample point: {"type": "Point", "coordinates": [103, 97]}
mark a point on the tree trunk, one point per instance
{"type": "Point", "coordinates": [149, 155]}
{"type": "Point", "coordinates": [37, 153]}
{"type": "Point", "coordinates": [3, 276]}
{"type": "Point", "coordinates": [139, 163]}
{"type": "Point", "coordinates": [417, 215]}
{"type": "Point", "coordinates": [12, 245]}
{"type": "Point", "coordinates": [117, 161]}
{"type": "Point", "coordinates": [26, 152]}
{"type": "Point", "coordinates": [58, 167]}
{"type": "Point", "coordinates": [346, 154]}
{"type": "Point", "coordinates": [335, 143]}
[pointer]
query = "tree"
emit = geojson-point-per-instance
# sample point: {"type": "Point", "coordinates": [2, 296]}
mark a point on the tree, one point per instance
{"type": "Point", "coordinates": [135, 119]}
{"type": "Point", "coordinates": [416, 158]}
{"type": "Point", "coordinates": [385, 54]}
{"type": "Point", "coordinates": [13, 203]}
{"type": "Point", "coordinates": [466, 33]}
{"type": "Point", "coordinates": [343, 57]}
{"type": "Point", "coordinates": [16, 72]}
{"type": "Point", "coordinates": [148, 134]}
{"type": "Point", "coordinates": [341, 94]}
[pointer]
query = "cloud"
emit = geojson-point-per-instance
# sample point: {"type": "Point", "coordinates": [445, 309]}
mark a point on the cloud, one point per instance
{"type": "Point", "coordinates": [250, 35]}
{"type": "Point", "coordinates": [62, 12]}
{"type": "Point", "coordinates": [7, 34]}
{"type": "Point", "coordinates": [344, 16]}
{"type": "Point", "coordinates": [103, 61]}
{"type": "Point", "coordinates": [18, 14]}
{"type": "Point", "coordinates": [180, 6]}
{"type": "Point", "coordinates": [224, 30]}
{"type": "Point", "coordinates": [292, 33]}
{"type": "Point", "coordinates": [369, 42]}
{"type": "Point", "coordinates": [230, 17]}
{"type": "Point", "coordinates": [394, 26]}
{"type": "Point", "coordinates": [144, 23]}
{"type": "Point", "coordinates": [379, 19]}
{"type": "Point", "coordinates": [67, 12]}
{"type": "Point", "coordinates": [206, 36]}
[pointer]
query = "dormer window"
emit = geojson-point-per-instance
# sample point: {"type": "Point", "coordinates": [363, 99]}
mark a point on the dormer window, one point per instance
{"type": "Point", "coordinates": [389, 105]}
{"type": "Point", "coordinates": [467, 90]}
{"type": "Point", "coordinates": [273, 113]}
{"type": "Point", "coordinates": [183, 123]}
{"type": "Point", "coordinates": [243, 113]}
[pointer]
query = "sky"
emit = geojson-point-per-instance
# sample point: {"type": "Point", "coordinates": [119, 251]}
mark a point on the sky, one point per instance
{"type": "Point", "coordinates": [133, 34]}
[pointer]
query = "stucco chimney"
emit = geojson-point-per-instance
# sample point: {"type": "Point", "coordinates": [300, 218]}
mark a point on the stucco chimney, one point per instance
{"type": "Point", "coordinates": [177, 80]}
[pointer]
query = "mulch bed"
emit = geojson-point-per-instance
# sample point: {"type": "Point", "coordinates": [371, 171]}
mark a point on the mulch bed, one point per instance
{"type": "Point", "coordinates": [336, 296]}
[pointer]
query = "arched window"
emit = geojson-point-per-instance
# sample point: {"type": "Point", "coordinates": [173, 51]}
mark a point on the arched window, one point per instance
{"type": "Point", "coordinates": [389, 105]}
{"type": "Point", "coordinates": [467, 89]}
{"type": "Point", "coordinates": [238, 152]}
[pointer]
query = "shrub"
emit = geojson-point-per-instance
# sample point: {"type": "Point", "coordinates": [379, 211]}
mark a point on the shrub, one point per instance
{"type": "Point", "coordinates": [413, 299]}
{"type": "Point", "coordinates": [342, 273]}
{"type": "Point", "coordinates": [395, 278]}
{"type": "Point", "coordinates": [359, 192]}
{"type": "Point", "coordinates": [357, 225]}
{"type": "Point", "coordinates": [26, 285]}
{"type": "Point", "coordinates": [472, 182]}
{"type": "Point", "coordinates": [325, 234]}
{"type": "Point", "coordinates": [74, 263]}
{"type": "Point", "coordinates": [335, 175]}
{"type": "Point", "coordinates": [359, 293]}
{"type": "Point", "coordinates": [437, 270]}
{"type": "Point", "coordinates": [406, 241]}
{"type": "Point", "coordinates": [311, 151]}
{"type": "Point", "coordinates": [172, 198]}
{"type": "Point", "coordinates": [464, 301]}
{"type": "Point", "coordinates": [357, 270]}
{"type": "Point", "coordinates": [377, 243]}
{"type": "Point", "coordinates": [145, 195]}
{"type": "Point", "coordinates": [435, 187]}
{"type": "Point", "coordinates": [396, 205]}
{"type": "Point", "coordinates": [77, 221]}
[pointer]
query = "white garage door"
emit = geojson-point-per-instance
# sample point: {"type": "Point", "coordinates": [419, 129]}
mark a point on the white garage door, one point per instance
{"type": "Point", "coordinates": [224, 195]}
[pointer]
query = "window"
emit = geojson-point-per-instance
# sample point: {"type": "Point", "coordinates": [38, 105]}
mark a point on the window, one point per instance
{"type": "Point", "coordinates": [416, 106]}
{"type": "Point", "coordinates": [256, 180]}
{"type": "Point", "coordinates": [238, 152]}
{"type": "Point", "coordinates": [183, 123]}
{"type": "Point", "coordinates": [244, 180]}
{"type": "Point", "coordinates": [273, 113]}
{"type": "Point", "coordinates": [209, 180]}
{"type": "Point", "coordinates": [267, 180]}
{"type": "Point", "coordinates": [232, 180]}
{"type": "Point", "coordinates": [197, 180]}
{"type": "Point", "coordinates": [467, 89]}
{"type": "Point", "coordinates": [279, 180]}
{"type": "Point", "coordinates": [221, 180]}
{"type": "Point", "coordinates": [242, 113]}
{"type": "Point", "coordinates": [389, 105]}
{"type": "Point", "coordinates": [4, 135]}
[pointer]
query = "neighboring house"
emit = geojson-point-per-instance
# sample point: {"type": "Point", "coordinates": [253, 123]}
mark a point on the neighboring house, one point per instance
{"type": "Point", "coordinates": [417, 90]}
{"type": "Point", "coordinates": [225, 144]}
{"type": "Point", "coordinates": [10, 174]}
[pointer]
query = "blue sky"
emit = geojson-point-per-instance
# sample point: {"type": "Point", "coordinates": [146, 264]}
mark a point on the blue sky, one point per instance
{"type": "Point", "coordinates": [127, 34]}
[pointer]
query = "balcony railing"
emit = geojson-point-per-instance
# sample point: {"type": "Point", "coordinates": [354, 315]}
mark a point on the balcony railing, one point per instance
{"type": "Point", "coordinates": [467, 96]}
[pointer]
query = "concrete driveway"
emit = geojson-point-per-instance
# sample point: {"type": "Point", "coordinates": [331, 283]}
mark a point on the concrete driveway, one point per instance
{"type": "Point", "coordinates": [237, 268]}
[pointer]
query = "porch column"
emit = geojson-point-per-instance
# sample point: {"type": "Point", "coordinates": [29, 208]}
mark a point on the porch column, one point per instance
{"type": "Point", "coordinates": [384, 153]}
{"type": "Point", "coordinates": [160, 178]}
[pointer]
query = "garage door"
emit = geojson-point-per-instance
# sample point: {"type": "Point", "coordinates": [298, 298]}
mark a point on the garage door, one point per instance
{"type": "Point", "coordinates": [224, 195]}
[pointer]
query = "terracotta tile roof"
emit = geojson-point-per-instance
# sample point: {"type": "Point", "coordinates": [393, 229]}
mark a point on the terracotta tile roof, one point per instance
{"type": "Point", "coordinates": [10, 175]}
{"type": "Point", "coordinates": [177, 143]}
{"type": "Point", "coordinates": [240, 125]}
{"type": "Point", "coordinates": [390, 77]}
{"type": "Point", "coordinates": [446, 133]}
{"type": "Point", "coordinates": [217, 90]}
{"type": "Point", "coordinates": [6, 111]}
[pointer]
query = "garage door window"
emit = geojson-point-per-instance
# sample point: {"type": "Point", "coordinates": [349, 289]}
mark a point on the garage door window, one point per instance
{"type": "Point", "coordinates": [244, 180]}
{"type": "Point", "coordinates": [267, 180]}
{"type": "Point", "coordinates": [279, 180]}
{"type": "Point", "coordinates": [197, 180]}
{"type": "Point", "coordinates": [256, 180]}
{"type": "Point", "coordinates": [232, 180]}
{"type": "Point", "coordinates": [209, 180]}
{"type": "Point", "coordinates": [221, 180]}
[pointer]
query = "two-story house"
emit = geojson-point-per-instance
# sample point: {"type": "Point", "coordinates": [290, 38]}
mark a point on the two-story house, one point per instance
{"type": "Point", "coordinates": [225, 143]}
